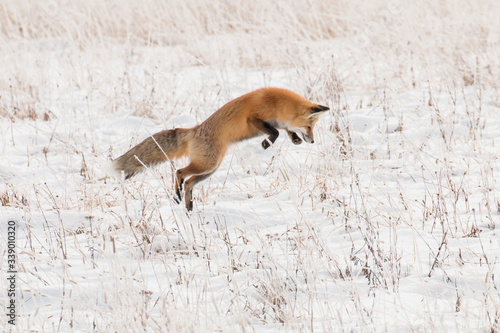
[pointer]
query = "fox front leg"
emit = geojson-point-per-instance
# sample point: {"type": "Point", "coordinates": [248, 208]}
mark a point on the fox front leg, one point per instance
{"type": "Point", "coordinates": [294, 137]}
{"type": "Point", "coordinates": [268, 129]}
{"type": "Point", "coordinates": [274, 133]}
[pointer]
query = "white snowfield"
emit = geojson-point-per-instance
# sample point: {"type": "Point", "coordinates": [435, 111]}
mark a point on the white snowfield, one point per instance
{"type": "Point", "coordinates": [388, 222]}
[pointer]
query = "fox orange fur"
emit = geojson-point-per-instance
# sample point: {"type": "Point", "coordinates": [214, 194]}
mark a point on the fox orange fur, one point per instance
{"type": "Point", "coordinates": [263, 111]}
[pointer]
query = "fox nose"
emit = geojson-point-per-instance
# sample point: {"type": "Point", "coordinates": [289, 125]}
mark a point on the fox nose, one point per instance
{"type": "Point", "coordinates": [312, 141]}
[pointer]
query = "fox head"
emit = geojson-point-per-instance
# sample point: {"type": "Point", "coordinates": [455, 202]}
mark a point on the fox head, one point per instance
{"type": "Point", "coordinates": [304, 124]}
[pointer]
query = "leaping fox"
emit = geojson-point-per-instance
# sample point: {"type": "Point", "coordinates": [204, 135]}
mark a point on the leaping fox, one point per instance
{"type": "Point", "coordinates": [262, 111]}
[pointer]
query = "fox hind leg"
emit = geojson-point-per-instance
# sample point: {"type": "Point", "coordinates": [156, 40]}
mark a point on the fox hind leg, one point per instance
{"type": "Point", "coordinates": [189, 185]}
{"type": "Point", "coordinates": [178, 184]}
{"type": "Point", "coordinates": [200, 170]}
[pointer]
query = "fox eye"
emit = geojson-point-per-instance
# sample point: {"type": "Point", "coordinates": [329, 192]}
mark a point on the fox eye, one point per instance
{"type": "Point", "coordinates": [308, 128]}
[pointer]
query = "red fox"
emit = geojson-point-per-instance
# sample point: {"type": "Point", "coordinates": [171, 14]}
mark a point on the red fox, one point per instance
{"type": "Point", "coordinates": [263, 111]}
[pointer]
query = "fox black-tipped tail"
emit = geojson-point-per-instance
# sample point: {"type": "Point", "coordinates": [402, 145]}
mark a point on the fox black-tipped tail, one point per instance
{"type": "Point", "coordinates": [158, 148]}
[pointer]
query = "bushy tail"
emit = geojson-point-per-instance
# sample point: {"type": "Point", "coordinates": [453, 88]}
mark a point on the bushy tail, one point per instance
{"type": "Point", "coordinates": [162, 146]}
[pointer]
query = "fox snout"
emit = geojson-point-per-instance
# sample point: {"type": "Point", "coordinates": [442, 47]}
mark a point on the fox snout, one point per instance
{"type": "Point", "coordinates": [307, 134]}
{"type": "Point", "coordinates": [307, 138]}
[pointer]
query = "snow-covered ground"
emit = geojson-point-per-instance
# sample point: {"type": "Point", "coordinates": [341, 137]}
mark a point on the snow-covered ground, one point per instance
{"type": "Point", "coordinates": [389, 222]}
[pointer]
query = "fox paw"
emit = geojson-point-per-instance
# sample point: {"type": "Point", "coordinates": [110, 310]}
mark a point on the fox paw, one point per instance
{"type": "Point", "coordinates": [295, 138]}
{"type": "Point", "coordinates": [265, 144]}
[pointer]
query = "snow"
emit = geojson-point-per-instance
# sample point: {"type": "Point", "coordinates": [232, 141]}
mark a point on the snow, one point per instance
{"type": "Point", "coordinates": [389, 222]}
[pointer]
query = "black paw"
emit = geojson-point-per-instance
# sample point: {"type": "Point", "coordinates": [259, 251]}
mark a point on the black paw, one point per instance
{"type": "Point", "coordinates": [189, 206]}
{"type": "Point", "coordinates": [295, 138]}
{"type": "Point", "coordinates": [265, 144]}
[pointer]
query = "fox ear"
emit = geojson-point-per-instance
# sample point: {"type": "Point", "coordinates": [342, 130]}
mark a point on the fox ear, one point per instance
{"type": "Point", "coordinates": [317, 109]}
